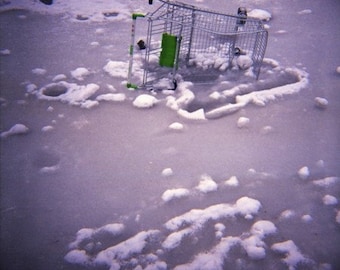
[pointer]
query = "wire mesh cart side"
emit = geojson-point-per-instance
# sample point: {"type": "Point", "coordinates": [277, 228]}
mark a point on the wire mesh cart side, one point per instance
{"type": "Point", "coordinates": [200, 44]}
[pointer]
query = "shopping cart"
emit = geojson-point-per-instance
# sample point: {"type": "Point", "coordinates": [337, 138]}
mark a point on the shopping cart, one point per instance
{"type": "Point", "coordinates": [199, 44]}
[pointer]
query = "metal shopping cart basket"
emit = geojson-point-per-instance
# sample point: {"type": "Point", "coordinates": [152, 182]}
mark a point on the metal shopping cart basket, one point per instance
{"type": "Point", "coordinates": [199, 44]}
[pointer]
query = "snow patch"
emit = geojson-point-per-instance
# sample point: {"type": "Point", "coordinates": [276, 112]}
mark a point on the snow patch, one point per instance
{"type": "Point", "coordinates": [292, 254]}
{"type": "Point", "coordinates": [260, 14]}
{"type": "Point", "coordinates": [206, 184]}
{"type": "Point", "coordinates": [119, 97]}
{"type": "Point", "coordinates": [303, 173]}
{"type": "Point", "coordinates": [177, 193]}
{"type": "Point", "coordinates": [327, 181]}
{"type": "Point", "coordinates": [80, 73]}
{"type": "Point", "coordinates": [329, 200]}
{"type": "Point", "coordinates": [321, 103]}
{"type": "Point", "coordinates": [176, 126]}
{"type": "Point", "coordinates": [116, 68]}
{"type": "Point", "coordinates": [243, 122]}
{"type": "Point", "coordinates": [17, 129]}
{"type": "Point", "coordinates": [167, 172]}
{"type": "Point", "coordinates": [232, 182]}
{"type": "Point", "coordinates": [145, 101]}
{"type": "Point", "coordinates": [39, 71]}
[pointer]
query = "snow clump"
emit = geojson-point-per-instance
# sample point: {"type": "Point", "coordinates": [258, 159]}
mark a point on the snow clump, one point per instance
{"type": "Point", "coordinates": [116, 68]}
{"type": "Point", "coordinates": [171, 194]}
{"type": "Point", "coordinates": [206, 184]}
{"type": "Point", "coordinates": [17, 129]}
{"type": "Point", "coordinates": [293, 256]}
{"type": "Point", "coordinates": [111, 97]}
{"type": "Point", "coordinates": [338, 70]}
{"type": "Point", "coordinates": [303, 173]}
{"type": "Point", "coordinates": [145, 101]}
{"type": "Point", "coordinates": [243, 122]}
{"type": "Point", "coordinates": [176, 126]}
{"type": "Point", "coordinates": [80, 73]}
{"type": "Point", "coordinates": [167, 172]}
{"type": "Point", "coordinates": [260, 14]}
{"type": "Point", "coordinates": [232, 182]}
{"type": "Point", "coordinates": [326, 182]}
{"type": "Point", "coordinates": [329, 200]}
{"type": "Point", "coordinates": [39, 71]}
{"type": "Point", "coordinates": [321, 103]}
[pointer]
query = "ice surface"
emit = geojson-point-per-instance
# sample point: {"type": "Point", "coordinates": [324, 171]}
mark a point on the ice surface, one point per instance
{"type": "Point", "coordinates": [113, 164]}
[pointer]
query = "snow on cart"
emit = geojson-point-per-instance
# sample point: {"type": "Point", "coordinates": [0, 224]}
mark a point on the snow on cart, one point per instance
{"type": "Point", "coordinates": [196, 44]}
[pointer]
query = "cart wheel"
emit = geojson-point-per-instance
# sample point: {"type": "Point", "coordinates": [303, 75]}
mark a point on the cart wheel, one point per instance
{"type": "Point", "coordinates": [150, 2]}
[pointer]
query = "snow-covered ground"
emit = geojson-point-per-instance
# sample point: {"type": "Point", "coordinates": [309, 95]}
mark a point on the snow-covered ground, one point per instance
{"type": "Point", "coordinates": [232, 174]}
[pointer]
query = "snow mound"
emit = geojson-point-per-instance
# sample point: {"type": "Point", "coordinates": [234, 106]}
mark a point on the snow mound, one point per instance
{"type": "Point", "coordinates": [39, 71]}
{"type": "Point", "coordinates": [327, 181]}
{"type": "Point", "coordinates": [206, 184]}
{"type": "Point", "coordinates": [260, 14]}
{"type": "Point", "coordinates": [145, 101]}
{"type": "Point", "coordinates": [243, 122]}
{"type": "Point", "coordinates": [321, 103]}
{"type": "Point", "coordinates": [167, 172]}
{"type": "Point", "coordinates": [111, 97]}
{"type": "Point", "coordinates": [116, 68]}
{"type": "Point", "coordinates": [338, 70]}
{"type": "Point", "coordinates": [232, 182]}
{"type": "Point", "coordinates": [176, 126]}
{"type": "Point", "coordinates": [292, 254]}
{"type": "Point", "coordinates": [5, 52]}
{"type": "Point", "coordinates": [80, 73]}
{"type": "Point", "coordinates": [196, 115]}
{"type": "Point", "coordinates": [17, 129]}
{"type": "Point", "coordinates": [125, 250]}
{"type": "Point", "coordinates": [171, 194]}
{"type": "Point", "coordinates": [263, 228]}
{"type": "Point", "coordinates": [329, 200]}
{"type": "Point", "coordinates": [303, 173]}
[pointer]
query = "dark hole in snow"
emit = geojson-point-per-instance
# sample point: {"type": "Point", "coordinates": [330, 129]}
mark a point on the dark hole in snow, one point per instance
{"type": "Point", "coordinates": [54, 90]}
{"type": "Point", "coordinates": [45, 158]}
{"type": "Point", "coordinates": [110, 14]}
{"type": "Point", "coordinates": [82, 17]}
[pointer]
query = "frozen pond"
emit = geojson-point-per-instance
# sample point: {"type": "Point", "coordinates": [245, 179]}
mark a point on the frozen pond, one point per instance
{"type": "Point", "coordinates": [102, 184]}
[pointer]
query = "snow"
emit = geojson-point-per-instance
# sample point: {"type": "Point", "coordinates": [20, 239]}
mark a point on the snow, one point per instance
{"type": "Point", "coordinates": [126, 249]}
{"type": "Point", "coordinates": [177, 193]}
{"type": "Point", "coordinates": [17, 129]}
{"type": "Point", "coordinates": [292, 254]}
{"type": "Point", "coordinates": [145, 101]}
{"type": "Point", "coordinates": [303, 173]}
{"type": "Point", "coordinates": [176, 126]}
{"type": "Point", "coordinates": [167, 172]}
{"type": "Point", "coordinates": [338, 70]}
{"type": "Point", "coordinates": [116, 68]}
{"type": "Point", "coordinates": [206, 184]}
{"type": "Point", "coordinates": [39, 71]}
{"type": "Point", "coordinates": [326, 182]}
{"type": "Point", "coordinates": [80, 73]}
{"type": "Point", "coordinates": [260, 14]}
{"type": "Point", "coordinates": [243, 122]}
{"type": "Point", "coordinates": [5, 52]}
{"type": "Point", "coordinates": [119, 97]}
{"type": "Point", "coordinates": [320, 102]}
{"type": "Point", "coordinates": [329, 200]}
{"type": "Point", "coordinates": [232, 182]}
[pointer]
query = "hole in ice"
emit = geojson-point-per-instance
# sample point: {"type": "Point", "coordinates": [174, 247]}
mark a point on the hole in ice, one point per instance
{"type": "Point", "coordinates": [54, 90]}
{"type": "Point", "coordinates": [45, 158]}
